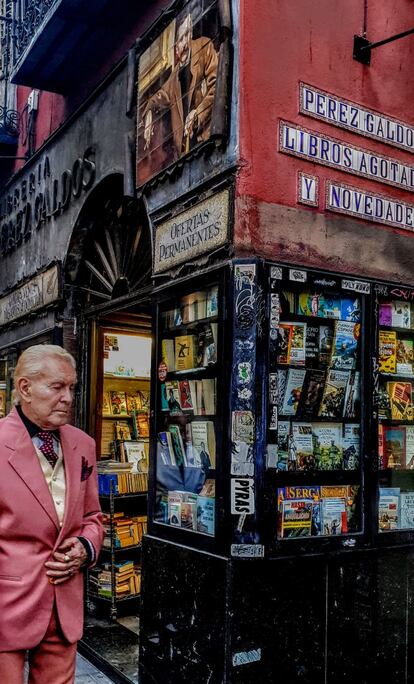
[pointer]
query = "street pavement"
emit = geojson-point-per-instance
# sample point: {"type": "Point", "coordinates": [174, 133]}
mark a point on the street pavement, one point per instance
{"type": "Point", "coordinates": [87, 673]}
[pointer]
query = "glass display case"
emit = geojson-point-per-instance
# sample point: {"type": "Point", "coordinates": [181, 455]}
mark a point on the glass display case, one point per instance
{"type": "Point", "coordinates": [395, 410]}
{"type": "Point", "coordinates": [315, 427]}
{"type": "Point", "coordinates": [187, 431]}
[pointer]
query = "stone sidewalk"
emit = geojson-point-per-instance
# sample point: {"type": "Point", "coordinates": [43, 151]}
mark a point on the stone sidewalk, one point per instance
{"type": "Point", "coordinates": [89, 674]}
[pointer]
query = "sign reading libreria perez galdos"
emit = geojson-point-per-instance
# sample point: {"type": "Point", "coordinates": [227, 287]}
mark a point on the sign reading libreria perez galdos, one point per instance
{"type": "Point", "coordinates": [192, 233]}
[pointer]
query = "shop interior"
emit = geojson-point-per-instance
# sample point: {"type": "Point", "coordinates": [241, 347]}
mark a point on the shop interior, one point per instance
{"type": "Point", "coordinates": [118, 417]}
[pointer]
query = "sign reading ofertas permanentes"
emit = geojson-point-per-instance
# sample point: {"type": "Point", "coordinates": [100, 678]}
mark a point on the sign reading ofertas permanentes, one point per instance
{"type": "Point", "coordinates": [345, 114]}
{"type": "Point", "coordinates": [346, 199]}
{"type": "Point", "coordinates": [38, 292]}
{"type": "Point", "coordinates": [196, 231]}
{"type": "Point", "coordinates": [328, 151]}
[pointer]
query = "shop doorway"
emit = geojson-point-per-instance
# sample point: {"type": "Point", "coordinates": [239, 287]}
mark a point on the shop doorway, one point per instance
{"type": "Point", "coordinates": [109, 329]}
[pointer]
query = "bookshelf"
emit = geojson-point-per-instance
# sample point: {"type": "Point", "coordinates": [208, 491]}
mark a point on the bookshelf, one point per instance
{"type": "Point", "coordinates": [116, 578]}
{"type": "Point", "coordinates": [186, 428]}
{"type": "Point", "coordinates": [395, 415]}
{"type": "Point", "coordinates": [122, 435]}
{"type": "Point", "coordinates": [314, 410]}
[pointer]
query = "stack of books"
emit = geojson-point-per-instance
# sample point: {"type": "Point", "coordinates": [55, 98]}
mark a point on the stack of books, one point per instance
{"type": "Point", "coordinates": [126, 531]}
{"type": "Point", "coordinates": [127, 580]}
{"type": "Point", "coordinates": [120, 478]}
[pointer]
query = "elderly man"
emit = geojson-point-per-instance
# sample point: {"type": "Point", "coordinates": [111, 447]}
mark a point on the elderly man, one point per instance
{"type": "Point", "coordinates": [50, 521]}
{"type": "Point", "coordinates": [189, 91]}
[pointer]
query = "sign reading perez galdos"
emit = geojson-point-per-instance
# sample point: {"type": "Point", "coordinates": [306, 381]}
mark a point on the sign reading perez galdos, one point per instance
{"type": "Point", "coordinates": [194, 232]}
{"type": "Point", "coordinates": [38, 292]}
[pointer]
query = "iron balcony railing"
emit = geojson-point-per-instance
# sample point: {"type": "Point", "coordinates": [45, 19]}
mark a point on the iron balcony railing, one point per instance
{"type": "Point", "coordinates": [28, 15]}
{"type": "Point", "coordinates": [9, 125]}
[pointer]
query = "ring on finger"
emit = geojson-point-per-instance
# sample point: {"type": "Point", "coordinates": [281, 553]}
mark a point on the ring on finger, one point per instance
{"type": "Point", "coordinates": [67, 558]}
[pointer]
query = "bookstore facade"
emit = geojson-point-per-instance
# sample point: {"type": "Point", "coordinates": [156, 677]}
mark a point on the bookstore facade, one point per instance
{"type": "Point", "coordinates": [246, 359]}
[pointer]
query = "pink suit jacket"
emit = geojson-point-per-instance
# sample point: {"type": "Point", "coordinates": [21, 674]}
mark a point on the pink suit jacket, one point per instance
{"type": "Point", "coordinates": [30, 533]}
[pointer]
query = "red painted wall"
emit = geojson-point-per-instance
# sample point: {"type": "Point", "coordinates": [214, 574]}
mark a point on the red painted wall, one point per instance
{"type": "Point", "coordinates": [283, 42]}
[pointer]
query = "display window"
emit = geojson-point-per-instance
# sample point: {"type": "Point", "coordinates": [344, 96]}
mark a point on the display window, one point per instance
{"type": "Point", "coordinates": [395, 410]}
{"type": "Point", "coordinates": [314, 430]}
{"type": "Point", "coordinates": [187, 444]}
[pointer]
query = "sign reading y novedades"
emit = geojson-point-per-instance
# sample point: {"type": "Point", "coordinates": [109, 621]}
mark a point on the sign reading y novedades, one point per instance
{"type": "Point", "coordinates": [194, 232]}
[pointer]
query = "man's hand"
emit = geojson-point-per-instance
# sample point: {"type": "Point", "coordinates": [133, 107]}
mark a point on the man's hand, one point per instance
{"type": "Point", "coordinates": [68, 559]}
{"type": "Point", "coordinates": [191, 123]}
{"type": "Point", "coordinates": [148, 129]}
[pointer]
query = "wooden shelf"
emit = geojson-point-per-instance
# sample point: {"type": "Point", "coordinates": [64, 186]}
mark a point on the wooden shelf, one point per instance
{"type": "Point", "coordinates": [137, 378]}
{"type": "Point", "coordinates": [125, 417]}
{"type": "Point", "coordinates": [137, 547]}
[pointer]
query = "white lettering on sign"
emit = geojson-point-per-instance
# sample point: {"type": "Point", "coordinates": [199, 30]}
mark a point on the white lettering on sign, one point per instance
{"type": "Point", "coordinates": [308, 189]}
{"type": "Point", "coordinates": [38, 292]}
{"type": "Point", "coordinates": [242, 495]}
{"type": "Point", "coordinates": [198, 230]}
{"type": "Point", "coordinates": [247, 550]}
{"type": "Point", "coordinates": [321, 149]}
{"type": "Point", "coordinates": [345, 114]}
{"type": "Point", "coordinates": [246, 657]}
{"type": "Point", "coordinates": [297, 276]}
{"type": "Point", "coordinates": [356, 286]}
{"type": "Point", "coordinates": [345, 199]}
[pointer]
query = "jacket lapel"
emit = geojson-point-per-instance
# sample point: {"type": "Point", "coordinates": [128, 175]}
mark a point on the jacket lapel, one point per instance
{"type": "Point", "coordinates": [73, 466]}
{"type": "Point", "coordinates": [25, 463]}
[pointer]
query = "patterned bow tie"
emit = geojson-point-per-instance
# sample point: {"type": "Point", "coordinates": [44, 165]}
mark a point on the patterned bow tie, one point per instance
{"type": "Point", "coordinates": [47, 448]}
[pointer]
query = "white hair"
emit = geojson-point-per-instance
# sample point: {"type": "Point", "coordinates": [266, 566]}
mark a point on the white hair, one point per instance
{"type": "Point", "coordinates": [33, 360]}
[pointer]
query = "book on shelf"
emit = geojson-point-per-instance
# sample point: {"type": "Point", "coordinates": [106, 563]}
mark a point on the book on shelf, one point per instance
{"type": "Point", "coordinates": [409, 447]}
{"type": "Point", "coordinates": [209, 345]}
{"type": "Point", "coordinates": [325, 344]}
{"type": "Point", "coordinates": [172, 388]}
{"type": "Point", "coordinates": [350, 495]}
{"type": "Point", "coordinates": [185, 352]}
{"type": "Point", "coordinates": [301, 442]}
{"type": "Point", "coordinates": [350, 309]}
{"type": "Point", "coordinates": [194, 306]}
{"type": "Point", "coordinates": [122, 429]}
{"type": "Point", "coordinates": [407, 510]}
{"type": "Point", "coordinates": [283, 436]}
{"type": "Point", "coordinates": [393, 447]}
{"type": "Point", "coordinates": [327, 445]}
{"type": "Point", "coordinates": [204, 443]}
{"type": "Point", "coordinates": [137, 454]}
{"type": "Point", "coordinates": [297, 346]}
{"type": "Point", "coordinates": [311, 394]}
{"type": "Point", "coordinates": [352, 395]}
{"type": "Point", "coordinates": [284, 341]}
{"type": "Point", "coordinates": [208, 386]}
{"type": "Point", "coordinates": [186, 399]}
{"type": "Point", "coordinates": [400, 395]}
{"type": "Point", "coordinates": [205, 514]}
{"type": "Point", "coordinates": [120, 478]}
{"type": "Point", "coordinates": [189, 514]}
{"type": "Point", "coordinates": [385, 313]}
{"type": "Point", "coordinates": [387, 351]}
{"type": "Point", "coordinates": [344, 345]}
{"type": "Point", "coordinates": [388, 508]}
{"type": "Point", "coordinates": [142, 422]}
{"type": "Point", "coordinates": [294, 384]}
{"type": "Point", "coordinates": [209, 488]}
{"type": "Point", "coordinates": [383, 403]}
{"type": "Point", "coordinates": [168, 353]}
{"type": "Point", "coordinates": [165, 449]}
{"type": "Point", "coordinates": [333, 398]}
{"type": "Point", "coordinates": [351, 446]}
{"type": "Point", "coordinates": [212, 302]}
{"type": "Point", "coordinates": [312, 346]}
{"type": "Point", "coordinates": [333, 514]}
{"type": "Point", "coordinates": [295, 518]}
{"type": "Point", "coordinates": [405, 356]}
{"type": "Point", "coordinates": [282, 374]}
{"type": "Point", "coordinates": [401, 314]}
{"type": "Point", "coordinates": [106, 404]}
{"type": "Point", "coordinates": [164, 397]}
{"type": "Point", "coordinates": [138, 400]}
{"type": "Point", "coordinates": [178, 445]}
{"type": "Point", "coordinates": [118, 403]}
